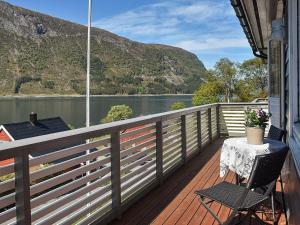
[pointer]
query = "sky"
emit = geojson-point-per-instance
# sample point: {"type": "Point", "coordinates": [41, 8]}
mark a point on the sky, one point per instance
{"type": "Point", "coordinates": [208, 28]}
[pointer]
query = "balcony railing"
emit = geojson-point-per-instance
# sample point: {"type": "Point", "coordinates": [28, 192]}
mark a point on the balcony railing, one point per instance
{"type": "Point", "coordinates": [126, 159]}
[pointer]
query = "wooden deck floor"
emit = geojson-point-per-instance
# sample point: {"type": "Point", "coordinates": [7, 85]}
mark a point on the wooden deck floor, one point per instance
{"type": "Point", "coordinates": [175, 202]}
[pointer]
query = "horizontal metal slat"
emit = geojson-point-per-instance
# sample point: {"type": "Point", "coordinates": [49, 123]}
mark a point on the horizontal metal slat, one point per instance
{"type": "Point", "coordinates": [171, 133]}
{"type": "Point", "coordinates": [194, 143]}
{"type": "Point", "coordinates": [175, 155]}
{"type": "Point", "coordinates": [137, 139]}
{"type": "Point", "coordinates": [125, 185]}
{"type": "Point", "coordinates": [134, 157]}
{"type": "Point", "coordinates": [137, 171]}
{"type": "Point", "coordinates": [104, 194]}
{"type": "Point", "coordinates": [7, 215]}
{"type": "Point", "coordinates": [138, 131]}
{"type": "Point", "coordinates": [166, 147]}
{"type": "Point", "coordinates": [68, 152]}
{"type": "Point", "coordinates": [42, 186]}
{"type": "Point", "coordinates": [193, 147]}
{"type": "Point", "coordinates": [50, 157]}
{"type": "Point", "coordinates": [172, 139]}
{"type": "Point", "coordinates": [60, 167]}
{"type": "Point", "coordinates": [7, 169]}
{"type": "Point", "coordinates": [84, 212]}
{"type": "Point", "coordinates": [7, 200]}
{"type": "Point", "coordinates": [176, 148]}
{"type": "Point", "coordinates": [171, 164]}
{"type": "Point", "coordinates": [138, 147]}
{"type": "Point", "coordinates": [96, 215]}
{"type": "Point", "coordinates": [137, 186]}
{"type": "Point", "coordinates": [69, 187]}
{"type": "Point", "coordinates": [138, 162]}
{"type": "Point", "coordinates": [171, 127]}
{"type": "Point", "coordinates": [65, 200]}
{"type": "Point", "coordinates": [191, 137]}
{"type": "Point", "coordinates": [7, 186]}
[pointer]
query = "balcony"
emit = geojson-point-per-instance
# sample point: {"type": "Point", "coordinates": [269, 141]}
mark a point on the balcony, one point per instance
{"type": "Point", "coordinates": [138, 171]}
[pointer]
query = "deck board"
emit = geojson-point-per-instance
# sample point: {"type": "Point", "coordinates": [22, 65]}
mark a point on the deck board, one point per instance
{"type": "Point", "coordinates": [175, 201]}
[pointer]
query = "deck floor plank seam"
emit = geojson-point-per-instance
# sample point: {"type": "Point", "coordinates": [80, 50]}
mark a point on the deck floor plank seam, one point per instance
{"type": "Point", "coordinates": [169, 188]}
{"type": "Point", "coordinates": [175, 202]}
{"type": "Point", "coordinates": [216, 206]}
{"type": "Point", "coordinates": [171, 185]}
{"type": "Point", "coordinates": [195, 204]}
{"type": "Point", "coordinates": [203, 176]}
{"type": "Point", "coordinates": [201, 213]}
{"type": "Point", "coordinates": [182, 209]}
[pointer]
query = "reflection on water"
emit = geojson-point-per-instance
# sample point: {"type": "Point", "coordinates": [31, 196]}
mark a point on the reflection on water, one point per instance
{"type": "Point", "coordinates": [72, 109]}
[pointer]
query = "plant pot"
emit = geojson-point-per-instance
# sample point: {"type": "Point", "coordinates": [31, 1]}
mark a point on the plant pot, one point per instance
{"type": "Point", "coordinates": [255, 135]}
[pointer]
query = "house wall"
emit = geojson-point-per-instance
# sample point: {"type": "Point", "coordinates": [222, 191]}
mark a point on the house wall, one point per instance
{"type": "Point", "coordinates": [4, 136]}
{"type": "Point", "coordinates": [292, 172]}
{"type": "Point", "coordinates": [292, 192]}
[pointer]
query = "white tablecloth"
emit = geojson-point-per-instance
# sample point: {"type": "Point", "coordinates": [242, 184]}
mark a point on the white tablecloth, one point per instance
{"type": "Point", "coordinates": [238, 156]}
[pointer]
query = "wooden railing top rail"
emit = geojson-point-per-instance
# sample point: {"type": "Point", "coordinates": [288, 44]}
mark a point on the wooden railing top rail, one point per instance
{"type": "Point", "coordinates": [242, 103]}
{"type": "Point", "coordinates": [119, 170]}
{"type": "Point", "coordinates": [62, 139]}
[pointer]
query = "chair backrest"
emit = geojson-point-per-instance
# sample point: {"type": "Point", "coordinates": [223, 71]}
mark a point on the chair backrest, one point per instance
{"type": "Point", "coordinates": [266, 168]}
{"type": "Point", "coordinates": [275, 133]}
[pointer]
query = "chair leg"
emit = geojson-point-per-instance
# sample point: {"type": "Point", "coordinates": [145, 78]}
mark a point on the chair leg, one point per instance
{"type": "Point", "coordinates": [273, 207]}
{"type": "Point", "coordinates": [230, 218]}
{"type": "Point", "coordinates": [283, 199]}
{"type": "Point", "coordinates": [237, 179]}
{"type": "Point", "coordinates": [258, 219]}
{"type": "Point", "coordinates": [209, 210]}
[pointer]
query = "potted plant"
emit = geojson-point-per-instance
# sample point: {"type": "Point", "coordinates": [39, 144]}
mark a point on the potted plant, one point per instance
{"type": "Point", "coordinates": [256, 122]}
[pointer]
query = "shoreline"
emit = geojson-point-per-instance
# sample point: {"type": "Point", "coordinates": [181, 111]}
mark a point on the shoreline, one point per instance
{"type": "Point", "coordinates": [83, 96]}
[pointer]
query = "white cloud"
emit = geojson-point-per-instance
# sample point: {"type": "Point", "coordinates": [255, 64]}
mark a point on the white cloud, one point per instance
{"type": "Point", "coordinates": [194, 25]}
{"type": "Point", "coordinates": [212, 44]}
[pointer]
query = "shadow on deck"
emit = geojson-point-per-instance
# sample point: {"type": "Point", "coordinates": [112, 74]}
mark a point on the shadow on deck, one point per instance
{"type": "Point", "coordinates": [175, 202]}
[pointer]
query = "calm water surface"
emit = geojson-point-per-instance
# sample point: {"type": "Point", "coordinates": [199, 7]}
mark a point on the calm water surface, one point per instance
{"type": "Point", "coordinates": [72, 109]}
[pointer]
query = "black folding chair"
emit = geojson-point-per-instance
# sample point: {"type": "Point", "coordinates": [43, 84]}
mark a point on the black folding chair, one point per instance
{"type": "Point", "coordinates": [275, 133]}
{"type": "Point", "coordinates": [265, 172]}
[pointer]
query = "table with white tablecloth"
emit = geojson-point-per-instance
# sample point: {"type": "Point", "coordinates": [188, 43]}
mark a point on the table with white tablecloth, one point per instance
{"type": "Point", "coordinates": [238, 156]}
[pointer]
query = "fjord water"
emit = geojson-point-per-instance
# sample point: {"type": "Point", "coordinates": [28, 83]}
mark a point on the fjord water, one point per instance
{"type": "Point", "coordinates": [72, 109]}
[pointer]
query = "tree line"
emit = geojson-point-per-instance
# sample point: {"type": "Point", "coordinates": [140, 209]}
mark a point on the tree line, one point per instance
{"type": "Point", "coordinates": [229, 81]}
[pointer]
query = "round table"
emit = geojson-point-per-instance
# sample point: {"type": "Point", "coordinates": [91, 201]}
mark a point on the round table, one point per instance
{"type": "Point", "coordinates": [238, 156]}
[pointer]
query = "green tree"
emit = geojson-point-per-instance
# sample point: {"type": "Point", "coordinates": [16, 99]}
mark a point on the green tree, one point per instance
{"type": "Point", "coordinates": [118, 112]}
{"type": "Point", "coordinates": [255, 73]}
{"type": "Point", "coordinates": [226, 72]}
{"type": "Point", "coordinates": [243, 91]}
{"type": "Point", "coordinates": [178, 105]}
{"type": "Point", "coordinates": [208, 92]}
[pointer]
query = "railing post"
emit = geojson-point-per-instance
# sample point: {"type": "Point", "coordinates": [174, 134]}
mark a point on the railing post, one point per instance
{"type": "Point", "coordinates": [199, 131]}
{"type": "Point", "coordinates": [159, 152]}
{"type": "Point", "coordinates": [209, 125]}
{"type": "Point", "coordinates": [116, 173]}
{"type": "Point", "coordinates": [183, 137]}
{"type": "Point", "coordinates": [22, 182]}
{"type": "Point", "coordinates": [218, 120]}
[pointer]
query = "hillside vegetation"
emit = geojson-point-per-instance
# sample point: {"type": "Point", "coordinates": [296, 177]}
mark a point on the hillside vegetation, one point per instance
{"type": "Point", "coordinates": [40, 54]}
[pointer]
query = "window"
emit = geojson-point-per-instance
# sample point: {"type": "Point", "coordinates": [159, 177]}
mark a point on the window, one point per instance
{"type": "Point", "coordinates": [275, 67]}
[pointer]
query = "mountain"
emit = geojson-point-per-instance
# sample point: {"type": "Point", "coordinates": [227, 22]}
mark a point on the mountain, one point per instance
{"type": "Point", "coordinates": [40, 54]}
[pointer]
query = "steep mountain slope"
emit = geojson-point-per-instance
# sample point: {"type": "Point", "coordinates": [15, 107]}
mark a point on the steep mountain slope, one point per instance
{"type": "Point", "coordinates": [40, 54]}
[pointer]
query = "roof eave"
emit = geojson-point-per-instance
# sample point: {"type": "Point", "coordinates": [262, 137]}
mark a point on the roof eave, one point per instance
{"type": "Point", "coordinates": [240, 13]}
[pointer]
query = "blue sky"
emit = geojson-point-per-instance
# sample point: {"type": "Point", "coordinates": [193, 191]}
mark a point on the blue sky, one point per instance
{"type": "Point", "coordinates": [208, 28]}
